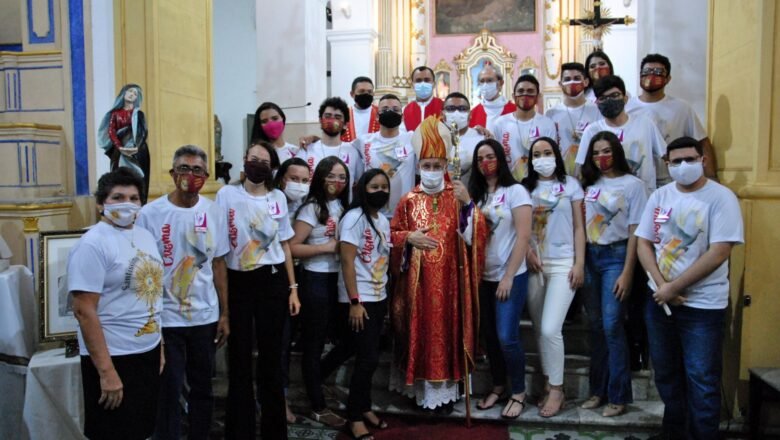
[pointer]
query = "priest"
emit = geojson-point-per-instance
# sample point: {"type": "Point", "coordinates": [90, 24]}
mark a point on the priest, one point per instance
{"type": "Point", "coordinates": [435, 305]}
{"type": "Point", "coordinates": [494, 104]}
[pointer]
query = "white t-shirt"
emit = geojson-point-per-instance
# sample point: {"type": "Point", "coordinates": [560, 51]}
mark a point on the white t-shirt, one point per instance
{"type": "Point", "coordinates": [682, 226]}
{"type": "Point", "coordinates": [493, 109]}
{"type": "Point", "coordinates": [517, 136]}
{"type": "Point", "coordinates": [611, 206]}
{"type": "Point", "coordinates": [346, 152]}
{"type": "Point", "coordinates": [321, 234]}
{"type": "Point", "coordinates": [571, 123]}
{"type": "Point", "coordinates": [373, 255]}
{"type": "Point", "coordinates": [396, 157]}
{"type": "Point", "coordinates": [468, 142]}
{"type": "Point", "coordinates": [642, 143]}
{"type": "Point", "coordinates": [256, 227]}
{"type": "Point", "coordinates": [553, 225]}
{"type": "Point", "coordinates": [288, 151]}
{"type": "Point", "coordinates": [188, 239]}
{"type": "Point", "coordinates": [498, 213]}
{"type": "Point", "coordinates": [362, 120]}
{"type": "Point", "coordinates": [124, 268]}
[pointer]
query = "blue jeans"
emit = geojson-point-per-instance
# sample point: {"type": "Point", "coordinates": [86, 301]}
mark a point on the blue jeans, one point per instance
{"type": "Point", "coordinates": [687, 349]}
{"type": "Point", "coordinates": [610, 377]}
{"type": "Point", "coordinates": [501, 326]}
{"type": "Point", "coordinates": [190, 351]}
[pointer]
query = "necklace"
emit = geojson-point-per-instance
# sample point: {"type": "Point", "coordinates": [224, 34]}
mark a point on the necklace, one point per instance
{"type": "Point", "coordinates": [132, 235]}
{"type": "Point", "coordinates": [574, 135]}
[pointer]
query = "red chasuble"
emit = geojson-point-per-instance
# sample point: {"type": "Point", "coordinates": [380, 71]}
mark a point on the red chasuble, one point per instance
{"type": "Point", "coordinates": [479, 117]}
{"type": "Point", "coordinates": [349, 134]}
{"type": "Point", "coordinates": [412, 117]}
{"type": "Point", "coordinates": [426, 308]}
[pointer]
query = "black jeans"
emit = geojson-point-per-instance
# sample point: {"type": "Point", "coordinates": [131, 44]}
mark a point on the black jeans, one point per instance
{"type": "Point", "coordinates": [365, 346]}
{"type": "Point", "coordinates": [190, 351]}
{"type": "Point", "coordinates": [487, 327]}
{"type": "Point", "coordinates": [258, 300]}
{"type": "Point", "coordinates": [319, 299]}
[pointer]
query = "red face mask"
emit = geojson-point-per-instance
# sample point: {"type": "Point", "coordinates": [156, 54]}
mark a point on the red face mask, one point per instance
{"type": "Point", "coordinates": [331, 126]}
{"type": "Point", "coordinates": [603, 162]}
{"type": "Point", "coordinates": [526, 102]}
{"type": "Point", "coordinates": [600, 72]}
{"type": "Point", "coordinates": [189, 183]}
{"type": "Point", "coordinates": [651, 83]}
{"type": "Point", "coordinates": [573, 88]}
{"type": "Point", "coordinates": [335, 188]}
{"type": "Point", "coordinates": [489, 167]}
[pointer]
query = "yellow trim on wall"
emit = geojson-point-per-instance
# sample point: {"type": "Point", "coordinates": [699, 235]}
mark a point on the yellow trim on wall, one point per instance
{"type": "Point", "coordinates": [8, 125]}
{"type": "Point", "coordinates": [35, 206]}
{"type": "Point", "coordinates": [30, 53]}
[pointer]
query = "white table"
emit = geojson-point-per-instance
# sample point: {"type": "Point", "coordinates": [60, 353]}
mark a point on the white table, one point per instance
{"type": "Point", "coordinates": [54, 401]}
{"type": "Point", "coordinates": [18, 337]}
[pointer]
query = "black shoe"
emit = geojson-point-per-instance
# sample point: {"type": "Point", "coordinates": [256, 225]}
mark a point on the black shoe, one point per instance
{"type": "Point", "coordinates": [445, 409]}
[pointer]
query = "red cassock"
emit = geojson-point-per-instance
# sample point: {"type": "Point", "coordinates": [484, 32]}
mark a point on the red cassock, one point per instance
{"type": "Point", "coordinates": [412, 116]}
{"type": "Point", "coordinates": [426, 309]}
{"type": "Point", "coordinates": [350, 135]}
{"type": "Point", "coordinates": [479, 117]}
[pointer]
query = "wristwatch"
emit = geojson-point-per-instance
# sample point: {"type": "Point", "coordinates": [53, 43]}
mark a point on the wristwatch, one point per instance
{"type": "Point", "coordinates": [354, 301]}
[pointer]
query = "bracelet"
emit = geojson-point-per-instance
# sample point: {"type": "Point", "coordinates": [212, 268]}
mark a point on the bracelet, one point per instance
{"type": "Point", "coordinates": [293, 286]}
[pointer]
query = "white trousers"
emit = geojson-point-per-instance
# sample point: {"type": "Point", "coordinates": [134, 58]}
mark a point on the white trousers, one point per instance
{"type": "Point", "coordinates": [549, 298]}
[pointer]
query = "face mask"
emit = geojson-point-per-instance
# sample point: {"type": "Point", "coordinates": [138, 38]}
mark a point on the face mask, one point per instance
{"type": "Point", "coordinates": [189, 183]}
{"type": "Point", "coordinates": [573, 88]}
{"type": "Point", "coordinates": [389, 119]}
{"type": "Point", "coordinates": [525, 102]}
{"type": "Point", "coordinates": [461, 119]}
{"type": "Point", "coordinates": [331, 126]}
{"type": "Point", "coordinates": [611, 108]}
{"type": "Point", "coordinates": [432, 181]}
{"type": "Point", "coordinates": [603, 162]}
{"type": "Point", "coordinates": [273, 129]}
{"type": "Point", "coordinates": [296, 191]}
{"type": "Point", "coordinates": [600, 72]}
{"type": "Point", "coordinates": [651, 83]}
{"type": "Point", "coordinates": [423, 90]}
{"type": "Point", "coordinates": [121, 214]}
{"type": "Point", "coordinates": [335, 188]}
{"type": "Point", "coordinates": [257, 172]}
{"type": "Point", "coordinates": [377, 199]}
{"type": "Point", "coordinates": [544, 166]}
{"type": "Point", "coordinates": [489, 167]}
{"type": "Point", "coordinates": [364, 100]}
{"type": "Point", "coordinates": [686, 173]}
{"type": "Point", "coordinates": [488, 90]}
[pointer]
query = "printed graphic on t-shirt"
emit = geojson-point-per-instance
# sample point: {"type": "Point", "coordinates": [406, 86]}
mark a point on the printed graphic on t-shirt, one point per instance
{"type": "Point", "coordinates": [544, 204]}
{"type": "Point", "coordinates": [390, 156]}
{"type": "Point", "coordinates": [198, 247]}
{"type": "Point", "coordinates": [495, 212]}
{"type": "Point", "coordinates": [262, 233]}
{"type": "Point", "coordinates": [606, 205]}
{"type": "Point", "coordinates": [144, 275]}
{"type": "Point", "coordinates": [569, 158]}
{"type": "Point", "coordinates": [635, 156]}
{"type": "Point", "coordinates": [684, 228]}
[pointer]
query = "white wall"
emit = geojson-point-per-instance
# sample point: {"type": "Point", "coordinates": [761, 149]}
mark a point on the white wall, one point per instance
{"type": "Point", "coordinates": [235, 74]}
{"type": "Point", "coordinates": [681, 36]}
{"type": "Point", "coordinates": [621, 42]}
{"type": "Point", "coordinates": [103, 83]}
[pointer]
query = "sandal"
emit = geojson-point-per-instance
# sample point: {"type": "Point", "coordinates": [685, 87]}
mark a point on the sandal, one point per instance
{"type": "Point", "coordinates": [547, 412]}
{"type": "Point", "coordinates": [492, 393]}
{"type": "Point", "coordinates": [328, 418]}
{"type": "Point", "coordinates": [366, 436]}
{"type": "Point", "coordinates": [613, 410]}
{"type": "Point", "coordinates": [380, 424]}
{"type": "Point", "coordinates": [592, 403]}
{"type": "Point", "coordinates": [511, 403]}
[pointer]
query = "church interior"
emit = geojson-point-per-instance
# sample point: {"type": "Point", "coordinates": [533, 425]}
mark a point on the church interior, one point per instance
{"type": "Point", "coordinates": [204, 66]}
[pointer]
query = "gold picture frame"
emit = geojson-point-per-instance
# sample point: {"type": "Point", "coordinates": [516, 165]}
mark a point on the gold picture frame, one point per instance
{"type": "Point", "coordinates": [57, 322]}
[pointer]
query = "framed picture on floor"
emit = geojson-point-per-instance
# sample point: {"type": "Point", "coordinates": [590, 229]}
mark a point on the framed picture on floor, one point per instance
{"type": "Point", "coordinates": [57, 322]}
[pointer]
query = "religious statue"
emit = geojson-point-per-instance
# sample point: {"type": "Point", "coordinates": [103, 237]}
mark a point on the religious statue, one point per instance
{"type": "Point", "coordinates": [122, 134]}
{"type": "Point", "coordinates": [217, 139]}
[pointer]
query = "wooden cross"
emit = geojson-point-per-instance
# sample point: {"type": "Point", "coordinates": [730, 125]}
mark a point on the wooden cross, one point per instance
{"type": "Point", "coordinates": [597, 25]}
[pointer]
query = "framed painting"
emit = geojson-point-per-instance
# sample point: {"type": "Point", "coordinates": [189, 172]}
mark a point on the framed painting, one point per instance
{"type": "Point", "coordinates": [57, 322]}
{"type": "Point", "coordinates": [471, 16]}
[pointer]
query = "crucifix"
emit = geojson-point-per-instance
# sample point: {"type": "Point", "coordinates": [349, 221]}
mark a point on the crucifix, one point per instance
{"type": "Point", "coordinates": [595, 25]}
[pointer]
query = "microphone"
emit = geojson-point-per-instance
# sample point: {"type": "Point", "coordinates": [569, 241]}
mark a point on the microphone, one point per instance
{"type": "Point", "coordinates": [297, 106]}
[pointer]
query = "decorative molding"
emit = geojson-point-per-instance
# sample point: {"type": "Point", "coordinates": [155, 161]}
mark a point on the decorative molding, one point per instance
{"type": "Point", "coordinates": [442, 66]}
{"type": "Point", "coordinates": [40, 32]}
{"type": "Point", "coordinates": [759, 192]}
{"type": "Point", "coordinates": [30, 224]}
{"type": "Point", "coordinates": [11, 125]}
{"type": "Point", "coordinates": [349, 36]}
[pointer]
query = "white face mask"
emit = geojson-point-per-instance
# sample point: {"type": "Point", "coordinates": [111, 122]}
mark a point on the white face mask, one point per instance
{"type": "Point", "coordinates": [459, 118]}
{"type": "Point", "coordinates": [544, 165]}
{"type": "Point", "coordinates": [121, 214]}
{"type": "Point", "coordinates": [296, 191]}
{"type": "Point", "coordinates": [488, 90]}
{"type": "Point", "coordinates": [686, 173]}
{"type": "Point", "coordinates": [432, 182]}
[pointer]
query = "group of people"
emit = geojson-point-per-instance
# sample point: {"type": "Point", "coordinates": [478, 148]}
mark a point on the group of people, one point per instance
{"type": "Point", "coordinates": [373, 215]}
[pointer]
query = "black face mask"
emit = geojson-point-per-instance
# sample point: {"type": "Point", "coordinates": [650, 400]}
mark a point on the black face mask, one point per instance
{"type": "Point", "coordinates": [390, 119]}
{"type": "Point", "coordinates": [364, 100]}
{"type": "Point", "coordinates": [377, 199]}
{"type": "Point", "coordinates": [257, 172]}
{"type": "Point", "coordinates": [611, 108]}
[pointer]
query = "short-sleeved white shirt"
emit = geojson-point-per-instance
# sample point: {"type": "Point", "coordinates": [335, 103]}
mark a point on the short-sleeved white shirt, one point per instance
{"type": "Point", "coordinates": [642, 143]}
{"type": "Point", "coordinates": [571, 123]}
{"type": "Point", "coordinates": [682, 226]}
{"type": "Point", "coordinates": [321, 234]}
{"type": "Point", "coordinates": [497, 210]}
{"type": "Point", "coordinates": [188, 240]}
{"type": "Point", "coordinates": [396, 157]}
{"type": "Point", "coordinates": [611, 206]}
{"type": "Point", "coordinates": [346, 152]}
{"type": "Point", "coordinates": [288, 151]}
{"type": "Point", "coordinates": [373, 254]}
{"type": "Point", "coordinates": [124, 268]}
{"type": "Point", "coordinates": [553, 221]}
{"type": "Point", "coordinates": [517, 136]}
{"type": "Point", "coordinates": [257, 226]}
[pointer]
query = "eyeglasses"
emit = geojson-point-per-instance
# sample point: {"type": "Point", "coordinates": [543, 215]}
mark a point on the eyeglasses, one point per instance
{"type": "Point", "coordinates": [615, 95]}
{"type": "Point", "coordinates": [680, 160]}
{"type": "Point", "coordinates": [338, 178]}
{"type": "Point", "coordinates": [186, 169]}
{"type": "Point", "coordinates": [660, 71]}
{"type": "Point", "coordinates": [456, 108]}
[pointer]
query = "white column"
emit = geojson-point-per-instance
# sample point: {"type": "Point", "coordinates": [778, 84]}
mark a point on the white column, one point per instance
{"type": "Point", "coordinates": [551, 63]}
{"type": "Point", "coordinates": [104, 89]}
{"type": "Point", "coordinates": [353, 42]}
{"type": "Point", "coordinates": [291, 55]}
